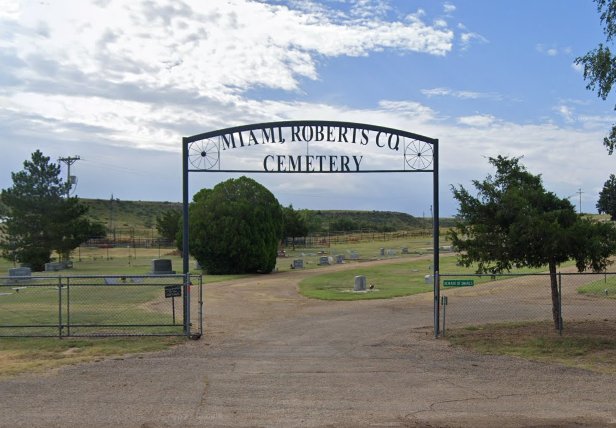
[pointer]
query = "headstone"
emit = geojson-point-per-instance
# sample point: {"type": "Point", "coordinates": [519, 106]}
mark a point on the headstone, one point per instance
{"type": "Point", "coordinates": [298, 264]}
{"type": "Point", "coordinates": [360, 283]}
{"type": "Point", "coordinates": [162, 267]}
{"type": "Point", "coordinates": [20, 271]}
{"type": "Point", "coordinates": [428, 279]}
{"type": "Point", "coordinates": [339, 259]}
{"type": "Point", "coordinates": [53, 266]}
{"type": "Point", "coordinates": [382, 251]}
{"type": "Point", "coordinates": [323, 260]}
{"type": "Point", "coordinates": [405, 250]}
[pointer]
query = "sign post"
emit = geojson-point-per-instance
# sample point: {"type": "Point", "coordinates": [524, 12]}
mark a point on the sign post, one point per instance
{"type": "Point", "coordinates": [173, 291]}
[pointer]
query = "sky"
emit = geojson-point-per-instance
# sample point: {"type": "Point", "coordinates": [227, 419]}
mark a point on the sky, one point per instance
{"type": "Point", "coordinates": [119, 83]}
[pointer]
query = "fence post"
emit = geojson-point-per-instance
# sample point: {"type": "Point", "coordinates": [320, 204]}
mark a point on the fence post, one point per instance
{"type": "Point", "coordinates": [437, 291]}
{"type": "Point", "coordinates": [68, 306]}
{"type": "Point", "coordinates": [560, 304]}
{"type": "Point", "coordinates": [187, 304]}
{"type": "Point", "coordinates": [59, 307]}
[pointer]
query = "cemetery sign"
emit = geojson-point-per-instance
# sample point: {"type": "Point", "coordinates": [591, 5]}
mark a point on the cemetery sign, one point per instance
{"type": "Point", "coordinates": [312, 147]}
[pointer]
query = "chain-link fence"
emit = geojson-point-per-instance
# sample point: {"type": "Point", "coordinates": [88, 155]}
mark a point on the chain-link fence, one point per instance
{"type": "Point", "coordinates": [110, 305]}
{"type": "Point", "coordinates": [481, 299]}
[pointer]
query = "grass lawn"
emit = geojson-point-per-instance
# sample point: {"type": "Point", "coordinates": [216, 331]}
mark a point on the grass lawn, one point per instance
{"type": "Point", "coordinates": [589, 345]}
{"type": "Point", "coordinates": [604, 287]}
{"type": "Point", "coordinates": [391, 280]}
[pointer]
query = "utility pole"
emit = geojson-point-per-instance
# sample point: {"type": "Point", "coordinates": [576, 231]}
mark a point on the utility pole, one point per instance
{"type": "Point", "coordinates": [69, 161]}
{"type": "Point", "coordinates": [579, 192]}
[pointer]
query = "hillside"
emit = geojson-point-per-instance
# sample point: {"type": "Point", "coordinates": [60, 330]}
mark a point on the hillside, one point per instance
{"type": "Point", "coordinates": [120, 214]}
{"type": "Point", "coordinates": [140, 216]}
{"type": "Point", "coordinates": [343, 220]}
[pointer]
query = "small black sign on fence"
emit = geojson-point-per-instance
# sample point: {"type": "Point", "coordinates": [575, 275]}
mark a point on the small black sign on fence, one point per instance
{"type": "Point", "coordinates": [173, 291]}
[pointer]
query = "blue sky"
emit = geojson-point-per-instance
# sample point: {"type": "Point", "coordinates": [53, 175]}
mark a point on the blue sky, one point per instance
{"type": "Point", "coordinates": [120, 83]}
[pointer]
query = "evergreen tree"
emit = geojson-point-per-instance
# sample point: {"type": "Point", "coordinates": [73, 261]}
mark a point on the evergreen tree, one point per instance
{"type": "Point", "coordinates": [168, 224]}
{"type": "Point", "coordinates": [514, 222]}
{"type": "Point", "coordinates": [235, 227]}
{"type": "Point", "coordinates": [40, 218]}
{"type": "Point", "coordinates": [607, 198]}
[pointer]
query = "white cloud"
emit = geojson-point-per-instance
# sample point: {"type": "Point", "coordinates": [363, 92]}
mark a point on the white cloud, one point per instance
{"type": "Point", "coordinates": [469, 38]}
{"type": "Point", "coordinates": [224, 47]}
{"type": "Point", "coordinates": [369, 8]}
{"type": "Point", "coordinates": [9, 9]}
{"type": "Point", "coordinates": [553, 50]}
{"type": "Point", "coordinates": [418, 111]}
{"type": "Point", "coordinates": [479, 120]}
{"type": "Point", "coordinates": [442, 92]}
{"type": "Point", "coordinates": [566, 112]}
{"type": "Point", "coordinates": [449, 8]}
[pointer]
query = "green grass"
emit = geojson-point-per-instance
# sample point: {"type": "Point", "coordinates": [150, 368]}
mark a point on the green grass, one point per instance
{"type": "Point", "coordinates": [604, 287]}
{"type": "Point", "coordinates": [91, 305]}
{"type": "Point", "coordinates": [392, 280]}
{"type": "Point", "coordinates": [389, 281]}
{"type": "Point", "coordinates": [585, 344]}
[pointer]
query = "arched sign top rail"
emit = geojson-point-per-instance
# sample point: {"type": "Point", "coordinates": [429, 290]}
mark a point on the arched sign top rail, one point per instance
{"type": "Point", "coordinates": [291, 123]}
{"type": "Point", "coordinates": [312, 146]}
{"type": "Point", "coordinates": [328, 147]}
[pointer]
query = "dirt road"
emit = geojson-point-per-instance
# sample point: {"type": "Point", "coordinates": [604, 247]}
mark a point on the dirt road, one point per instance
{"type": "Point", "coordinates": [273, 358]}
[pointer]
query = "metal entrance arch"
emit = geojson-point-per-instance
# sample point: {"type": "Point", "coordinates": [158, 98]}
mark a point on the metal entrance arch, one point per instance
{"type": "Point", "coordinates": [409, 153]}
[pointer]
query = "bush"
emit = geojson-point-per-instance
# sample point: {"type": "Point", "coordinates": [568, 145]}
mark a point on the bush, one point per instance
{"type": "Point", "coordinates": [235, 227]}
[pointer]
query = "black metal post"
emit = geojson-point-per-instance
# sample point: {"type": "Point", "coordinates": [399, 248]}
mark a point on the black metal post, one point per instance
{"type": "Point", "coordinates": [435, 232]}
{"type": "Point", "coordinates": [59, 307]}
{"type": "Point", "coordinates": [560, 304]}
{"type": "Point", "coordinates": [185, 231]}
{"type": "Point", "coordinates": [68, 306]}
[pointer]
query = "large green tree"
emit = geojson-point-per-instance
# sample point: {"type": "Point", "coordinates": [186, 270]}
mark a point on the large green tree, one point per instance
{"type": "Point", "coordinates": [514, 222]}
{"type": "Point", "coordinates": [235, 227]}
{"type": "Point", "coordinates": [600, 63]}
{"type": "Point", "coordinates": [607, 198]}
{"type": "Point", "coordinates": [40, 218]}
